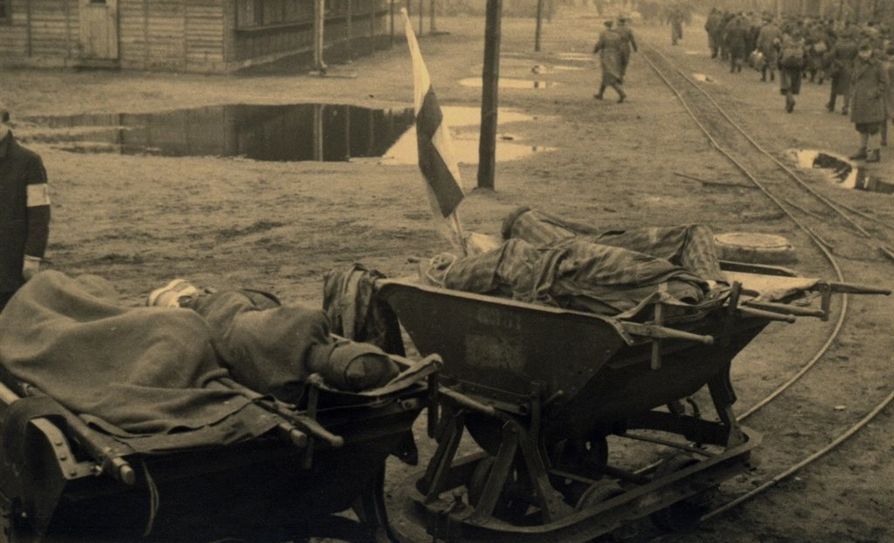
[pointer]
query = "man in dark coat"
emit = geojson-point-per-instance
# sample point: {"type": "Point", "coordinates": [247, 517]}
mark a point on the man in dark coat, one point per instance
{"type": "Point", "coordinates": [737, 43]}
{"type": "Point", "coordinates": [768, 41]}
{"type": "Point", "coordinates": [791, 67]}
{"type": "Point", "coordinates": [712, 27]}
{"type": "Point", "coordinates": [24, 212]}
{"type": "Point", "coordinates": [868, 95]}
{"type": "Point", "coordinates": [628, 44]}
{"type": "Point", "coordinates": [676, 17]}
{"type": "Point", "coordinates": [841, 61]}
{"type": "Point", "coordinates": [609, 48]}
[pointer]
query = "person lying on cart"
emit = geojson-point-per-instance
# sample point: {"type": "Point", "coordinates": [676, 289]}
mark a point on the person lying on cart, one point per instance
{"type": "Point", "coordinates": [272, 348]}
{"type": "Point", "coordinates": [545, 260]}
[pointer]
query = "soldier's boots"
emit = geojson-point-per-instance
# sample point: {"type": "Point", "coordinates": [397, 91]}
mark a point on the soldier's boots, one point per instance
{"type": "Point", "coordinates": [859, 155]}
{"type": "Point", "coordinates": [874, 156]}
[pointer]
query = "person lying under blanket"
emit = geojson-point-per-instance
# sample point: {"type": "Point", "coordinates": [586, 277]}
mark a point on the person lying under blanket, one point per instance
{"type": "Point", "coordinates": [272, 348]}
{"type": "Point", "coordinates": [151, 376]}
{"type": "Point", "coordinates": [545, 260]}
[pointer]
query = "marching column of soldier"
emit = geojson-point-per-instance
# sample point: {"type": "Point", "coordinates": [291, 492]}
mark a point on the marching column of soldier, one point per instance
{"type": "Point", "coordinates": [858, 61]}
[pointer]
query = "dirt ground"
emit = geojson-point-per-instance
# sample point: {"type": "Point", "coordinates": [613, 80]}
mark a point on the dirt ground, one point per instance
{"type": "Point", "coordinates": [141, 220]}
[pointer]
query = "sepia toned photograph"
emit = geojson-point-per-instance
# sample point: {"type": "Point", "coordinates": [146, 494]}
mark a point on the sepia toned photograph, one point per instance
{"type": "Point", "coordinates": [446, 271]}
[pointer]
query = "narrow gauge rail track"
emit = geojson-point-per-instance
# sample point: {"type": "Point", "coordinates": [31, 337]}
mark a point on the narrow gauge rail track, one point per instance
{"type": "Point", "coordinates": [730, 139]}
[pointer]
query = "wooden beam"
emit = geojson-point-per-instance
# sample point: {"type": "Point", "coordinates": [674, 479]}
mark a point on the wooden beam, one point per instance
{"type": "Point", "coordinates": [319, 23]}
{"type": "Point", "coordinates": [349, 31]}
{"type": "Point", "coordinates": [487, 144]}
{"type": "Point", "coordinates": [432, 27]}
{"type": "Point", "coordinates": [539, 27]}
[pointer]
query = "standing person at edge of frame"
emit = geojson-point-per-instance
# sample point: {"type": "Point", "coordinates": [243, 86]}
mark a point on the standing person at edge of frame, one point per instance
{"type": "Point", "coordinates": [791, 67]}
{"type": "Point", "coordinates": [868, 95]}
{"type": "Point", "coordinates": [24, 212]}
{"type": "Point", "coordinates": [628, 44]}
{"type": "Point", "coordinates": [609, 49]}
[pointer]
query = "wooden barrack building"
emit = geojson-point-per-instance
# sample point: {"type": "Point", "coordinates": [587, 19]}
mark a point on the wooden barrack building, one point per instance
{"type": "Point", "coordinates": [206, 36]}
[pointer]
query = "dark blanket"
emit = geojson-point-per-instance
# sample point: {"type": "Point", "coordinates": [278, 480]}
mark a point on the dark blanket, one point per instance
{"type": "Point", "coordinates": [144, 375]}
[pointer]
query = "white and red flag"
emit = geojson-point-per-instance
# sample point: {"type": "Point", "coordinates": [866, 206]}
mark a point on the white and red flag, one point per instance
{"type": "Point", "coordinates": [435, 147]}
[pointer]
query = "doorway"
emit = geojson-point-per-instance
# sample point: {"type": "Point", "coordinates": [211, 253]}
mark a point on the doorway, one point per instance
{"type": "Point", "coordinates": [99, 29]}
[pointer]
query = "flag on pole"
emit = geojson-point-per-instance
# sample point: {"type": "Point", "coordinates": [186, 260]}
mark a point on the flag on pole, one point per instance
{"type": "Point", "coordinates": [434, 145]}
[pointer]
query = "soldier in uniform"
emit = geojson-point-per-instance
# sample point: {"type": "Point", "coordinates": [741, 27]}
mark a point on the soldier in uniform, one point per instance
{"type": "Point", "coordinates": [676, 18]}
{"type": "Point", "coordinates": [768, 42]}
{"type": "Point", "coordinates": [628, 44]}
{"type": "Point", "coordinates": [609, 48]}
{"type": "Point", "coordinates": [841, 60]}
{"type": "Point", "coordinates": [712, 27]}
{"type": "Point", "coordinates": [24, 212]}
{"type": "Point", "coordinates": [868, 95]}
{"type": "Point", "coordinates": [737, 42]}
{"type": "Point", "coordinates": [791, 66]}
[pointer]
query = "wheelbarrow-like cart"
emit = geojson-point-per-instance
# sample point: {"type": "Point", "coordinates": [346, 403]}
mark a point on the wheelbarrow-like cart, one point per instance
{"type": "Point", "coordinates": [542, 389]}
{"type": "Point", "coordinates": [63, 480]}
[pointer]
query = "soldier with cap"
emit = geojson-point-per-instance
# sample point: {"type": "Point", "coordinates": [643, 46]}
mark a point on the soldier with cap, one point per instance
{"type": "Point", "coordinates": [24, 211]}
{"type": "Point", "coordinates": [609, 48]}
{"type": "Point", "coordinates": [628, 43]}
{"type": "Point", "coordinates": [868, 95]}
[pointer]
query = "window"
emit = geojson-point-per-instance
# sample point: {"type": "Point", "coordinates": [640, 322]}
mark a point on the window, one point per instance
{"type": "Point", "coordinates": [5, 11]}
{"type": "Point", "coordinates": [252, 14]}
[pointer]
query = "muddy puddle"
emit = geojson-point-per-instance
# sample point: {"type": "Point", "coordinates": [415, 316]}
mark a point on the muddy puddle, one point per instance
{"type": "Point", "coordinates": [575, 56]}
{"type": "Point", "coordinates": [510, 83]}
{"type": "Point", "coordinates": [280, 133]}
{"type": "Point", "coordinates": [841, 170]}
{"type": "Point", "coordinates": [464, 124]}
{"type": "Point", "coordinates": [554, 68]}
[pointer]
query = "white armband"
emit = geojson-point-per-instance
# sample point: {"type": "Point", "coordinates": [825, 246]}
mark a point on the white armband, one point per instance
{"type": "Point", "coordinates": [38, 195]}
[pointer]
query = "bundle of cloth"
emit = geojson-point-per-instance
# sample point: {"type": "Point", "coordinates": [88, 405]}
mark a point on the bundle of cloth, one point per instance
{"type": "Point", "coordinates": [151, 375]}
{"type": "Point", "coordinates": [543, 259]}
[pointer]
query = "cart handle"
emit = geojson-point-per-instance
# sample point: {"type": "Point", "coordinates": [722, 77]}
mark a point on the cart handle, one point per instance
{"type": "Point", "coordinates": [467, 402]}
{"type": "Point", "coordinates": [662, 332]}
{"type": "Point", "coordinates": [854, 288]}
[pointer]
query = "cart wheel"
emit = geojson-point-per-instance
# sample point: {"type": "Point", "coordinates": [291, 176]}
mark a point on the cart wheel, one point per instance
{"type": "Point", "coordinates": [508, 508]}
{"type": "Point", "coordinates": [598, 493]}
{"type": "Point", "coordinates": [10, 532]}
{"type": "Point", "coordinates": [584, 458]}
{"type": "Point", "coordinates": [683, 515]}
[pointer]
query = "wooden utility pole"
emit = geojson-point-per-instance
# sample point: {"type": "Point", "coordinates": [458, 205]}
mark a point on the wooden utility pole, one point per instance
{"type": "Point", "coordinates": [490, 96]}
{"type": "Point", "coordinates": [421, 15]}
{"type": "Point", "coordinates": [349, 30]}
{"type": "Point", "coordinates": [432, 27]}
{"type": "Point", "coordinates": [319, 22]}
{"type": "Point", "coordinates": [539, 28]}
{"type": "Point", "coordinates": [391, 20]}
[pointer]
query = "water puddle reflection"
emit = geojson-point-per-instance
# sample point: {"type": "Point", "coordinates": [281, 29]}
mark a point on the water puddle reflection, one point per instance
{"type": "Point", "coordinates": [464, 123]}
{"type": "Point", "coordinates": [509, 83]}
{"type": "Point", "coordinates": [575, 56]}
{"type": "Point", "coordinates": [842, 171]}
{"type": "Point", "coordinates": [281, 133]}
